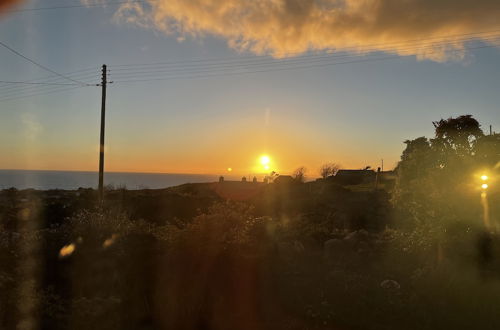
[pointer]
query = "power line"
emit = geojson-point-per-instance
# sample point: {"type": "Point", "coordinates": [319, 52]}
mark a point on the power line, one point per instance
{"type": "Point", "coordinates": [253, 64]}
{"type": "Point", "coordinates": [38, 64]}
{"type": "Point", "coordinates": [218, 74]}
{"type": "Point", "coordinates": [201, 66]}
{"type": "Point", "coordinates": [14, 90]}
{"type": "Point", "coordinates": [111, 3]}
{"type": "Point", "coordinates": [206, 68]}
{"type": "Point", "coordinates": [36, 83]}
{"type": "Point", "coordinates": [47, 79]}
{"type": "Point", "coordinates": [11, 84]}
{"type": "Point", "coordinates": [43, 93]}
{"type": "Point", "coordinates": [27, 93]}
{"type": "Point", "coordinates": [66, 73]}
{"type": "Point", "coordinates": [11, 90]}
{"type": "Point", "coordinates": [369, 47]}
{"type": "Point", "coordinates": [251, 72]}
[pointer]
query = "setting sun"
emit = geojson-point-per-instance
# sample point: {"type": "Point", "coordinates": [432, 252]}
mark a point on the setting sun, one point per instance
{"type": "Point", "coordinates": [265, 160]}
{"type": "Point", "coordinates": [238, 164]}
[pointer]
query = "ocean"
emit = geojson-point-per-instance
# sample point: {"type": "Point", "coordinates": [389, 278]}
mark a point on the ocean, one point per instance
{"type": "Point", "coordinates": [71, 180]}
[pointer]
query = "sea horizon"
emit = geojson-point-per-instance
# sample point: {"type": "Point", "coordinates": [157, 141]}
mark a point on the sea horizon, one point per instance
{"type": "Point", "coordinates": [72, 180]}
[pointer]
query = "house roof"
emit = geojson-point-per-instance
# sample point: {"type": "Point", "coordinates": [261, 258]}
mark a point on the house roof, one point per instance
{"type": "Point", "coordinates": [355, 172]}
{"type": "Point", "coordinates": [283, 178]}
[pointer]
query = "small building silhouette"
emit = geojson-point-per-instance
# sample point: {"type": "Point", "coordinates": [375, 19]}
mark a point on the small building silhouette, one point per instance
{"type": "Point", "coordinates": [355, 176]}
{"type": "Point", "coordinates": [284, 179]}
{"type": "Point", "coordinates": [221, 179]}
{"type": "Point", "coordinates": [244, 179]}
{"type": "Point", "coordinates": [254, 180]}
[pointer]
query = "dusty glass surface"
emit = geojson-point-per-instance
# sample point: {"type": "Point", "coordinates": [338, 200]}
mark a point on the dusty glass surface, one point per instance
{"type": "Point", "coordinates": [232, 164]}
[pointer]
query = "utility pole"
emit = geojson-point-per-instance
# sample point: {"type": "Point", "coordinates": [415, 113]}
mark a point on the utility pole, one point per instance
{"type": "Point", "coordinates": [101, 146]}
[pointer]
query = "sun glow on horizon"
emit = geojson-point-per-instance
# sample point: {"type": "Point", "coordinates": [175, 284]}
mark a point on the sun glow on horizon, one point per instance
{"type": "Point", "coordinates": [265, 162]}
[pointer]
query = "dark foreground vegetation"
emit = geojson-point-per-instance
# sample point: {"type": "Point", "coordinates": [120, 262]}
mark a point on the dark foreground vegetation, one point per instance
{"type": "Point", "coordinates": [422, 253]}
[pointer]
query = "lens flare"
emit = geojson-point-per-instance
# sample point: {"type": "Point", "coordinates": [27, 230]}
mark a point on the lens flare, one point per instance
{"type": "Point", "coordinates": [484, 177]}
{"type": "Point", "coordinates": [486, 210]}
{"type": "Point", "coordinates": [484, 186]}
{"type": "Point", "coordinates": [67, 250]}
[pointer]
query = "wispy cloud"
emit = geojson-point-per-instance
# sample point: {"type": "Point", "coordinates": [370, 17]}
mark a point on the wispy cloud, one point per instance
{"type": "Point", "coordinates": [93, 2]}
{"type": "Point", "coordinates": [281, 27]}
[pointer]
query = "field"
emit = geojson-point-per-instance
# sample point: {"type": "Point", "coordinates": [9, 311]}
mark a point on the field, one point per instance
{"type": "Point", "coordinates": [300, 256]}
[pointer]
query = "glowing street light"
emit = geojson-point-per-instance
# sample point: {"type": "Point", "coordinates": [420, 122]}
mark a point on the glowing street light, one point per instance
{"type": "Point", "coordinates": [484, 182]}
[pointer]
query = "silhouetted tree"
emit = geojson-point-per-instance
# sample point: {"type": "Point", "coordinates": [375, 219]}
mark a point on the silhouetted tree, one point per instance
{"type": "Point", "coordinates": [458, 134]}
{"type": "Point", "coordinates": [487, 150]}
{"type": "Point", "coordinates": [435, 176]}
{"type": "Point", "coordinates": [328, 169]}
{"type": "Point", "coordinates": [299, 174]}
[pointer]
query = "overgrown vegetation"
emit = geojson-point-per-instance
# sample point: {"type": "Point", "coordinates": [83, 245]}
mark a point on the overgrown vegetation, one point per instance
{"type": "Point", "coordinates": [316, 255]}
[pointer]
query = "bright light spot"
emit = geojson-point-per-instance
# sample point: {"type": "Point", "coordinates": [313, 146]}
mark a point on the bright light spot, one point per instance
{"type": "Point", "coordinates": [109, 241]}
{"type": "Point", "coordinates": [484, 177]}
{"type": "Point", "coordinates": [229, 169]}
{"type": "Point", "coordinates": [484, 186]}
{"type": "Point", "coordinates": [265, 160]}
{"type": "Point", "coordinates": [67, 250]}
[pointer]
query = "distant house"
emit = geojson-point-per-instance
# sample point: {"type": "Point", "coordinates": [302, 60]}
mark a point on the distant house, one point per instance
{"type": "Point", "coordinates": [355, 176]}
{"type": "Point", "coordinates": [284, 179]}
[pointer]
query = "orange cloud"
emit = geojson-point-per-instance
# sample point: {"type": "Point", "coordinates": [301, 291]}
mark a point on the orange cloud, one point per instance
{"type": "Point", "coordinates": [281, 27]}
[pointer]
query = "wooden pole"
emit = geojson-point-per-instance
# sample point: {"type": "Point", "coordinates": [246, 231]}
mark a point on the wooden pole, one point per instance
{"type": "Point", "coordinates": [101, 145]}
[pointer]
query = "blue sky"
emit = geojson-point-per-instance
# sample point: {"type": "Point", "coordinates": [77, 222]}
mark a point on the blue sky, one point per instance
{"type": "Point", "coordinates": [353, 114]}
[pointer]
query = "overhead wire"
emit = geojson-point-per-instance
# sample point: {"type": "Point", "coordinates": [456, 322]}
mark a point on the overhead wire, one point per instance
{"type": "Point", "coordinates": [12, 50]}
{"type": "Point", "coordinates": [11, 84]}
{"type": "Point", "coordinates": [103, 5]}
{"type": "Point", "coordinates": [41, 93]}
{"type": "Point", "coordinates": [249, 65]}
{"type": "Point", "coordinates": [303, 65]}
{"type": "Point", "coordinates": [169, 67]}
{"type": "Point", "coordinates": [201, 68]}
{"type": "Point", "coordinates": [370, 47]}
{"type": "Point", "coordinates": [30, 87]}
{"type": "Point", "coordinates": [36, 83]}
{"type": "Point", "coordinates": [46, 84]}
{"type": "Point", "coordinates": [50, 79]}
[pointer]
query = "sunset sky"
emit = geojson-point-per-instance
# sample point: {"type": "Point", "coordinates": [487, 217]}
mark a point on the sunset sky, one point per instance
{"type": "Point", "coordinates": [354, 113]}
